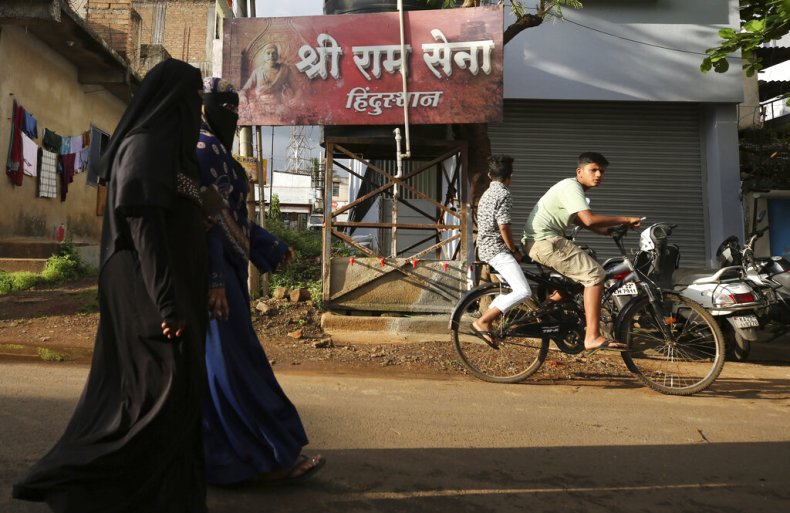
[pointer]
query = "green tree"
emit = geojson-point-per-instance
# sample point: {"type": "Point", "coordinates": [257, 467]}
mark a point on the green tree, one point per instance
{"type": "Point", "coordinates": [477, 133]}
{"type": "Point", "coordinates": [761, 21]}
{"type": "Point", "coordinates": [274, 209]}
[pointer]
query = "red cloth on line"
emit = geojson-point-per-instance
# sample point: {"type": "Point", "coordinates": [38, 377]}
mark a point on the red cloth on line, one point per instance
{"type": "Point", "coordinates": [67, 176]}
{"type": "Point", "coordinates": [14, 167]}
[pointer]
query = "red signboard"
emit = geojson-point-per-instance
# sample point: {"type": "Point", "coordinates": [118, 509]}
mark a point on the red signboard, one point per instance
{"type": "Point", "coordinates": [345, 69]}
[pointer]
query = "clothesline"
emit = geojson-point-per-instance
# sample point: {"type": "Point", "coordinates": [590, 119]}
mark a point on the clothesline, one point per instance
{"type": "Point", "coordinates": [56, 155]}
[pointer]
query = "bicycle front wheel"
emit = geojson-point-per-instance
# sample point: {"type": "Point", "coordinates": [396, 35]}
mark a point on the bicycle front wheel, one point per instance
{"type": "Point", "coordinates": [679, 351]}
{"type": "Point", "coordinates": [515, 358]}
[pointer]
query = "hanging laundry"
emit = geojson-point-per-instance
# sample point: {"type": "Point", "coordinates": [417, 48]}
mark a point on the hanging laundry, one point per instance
{"type": "Point", "coordinates": [67, 174]}
{"type": "Point", "coordinates": [82, 158]}
{"type": "Point", "coordinates": [51, 141]}
{"type": "Point", "coordinates": [14, 167]}
{"type": "Point", "coordinates": [65, 145]}
{"type": "Point", "coordinates": [75, 145]}
{"type": "Point", "coordinates": [30, 155]}
{"type": "Point", "coordinates": [31, 126]}
{"type": "Point", "coordinates": [47, 175]}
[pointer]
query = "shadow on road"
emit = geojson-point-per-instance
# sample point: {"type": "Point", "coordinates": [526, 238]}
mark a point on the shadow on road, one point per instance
{"type": "Point", "coordinates": [675, 478]}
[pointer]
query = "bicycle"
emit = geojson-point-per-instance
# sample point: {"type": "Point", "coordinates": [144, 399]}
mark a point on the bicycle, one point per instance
{"type": "Point", "coordinates": [674, 345]}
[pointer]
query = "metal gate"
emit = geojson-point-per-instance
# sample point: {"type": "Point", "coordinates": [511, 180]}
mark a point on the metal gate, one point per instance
{"type": "Point", "coordinates": [430, 273]}
{"type": "Point", "coordinates": [657, 166]}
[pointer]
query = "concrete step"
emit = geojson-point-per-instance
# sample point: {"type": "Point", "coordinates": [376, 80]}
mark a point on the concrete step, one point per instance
{"type": "Point", "coordinates": [362, 329]}
{"type": "Point", "coordinates": [28, 248]}
{"type": "Point", "coordinates": [14, 265]}
{"type": "Point", "coordinates": [31, 254]}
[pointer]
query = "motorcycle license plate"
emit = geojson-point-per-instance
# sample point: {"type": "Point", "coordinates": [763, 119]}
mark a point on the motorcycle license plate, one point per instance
{"type": "Point", "coordinates": [628, 289]}
{"type": "Point", "coordinates": [745, 321]}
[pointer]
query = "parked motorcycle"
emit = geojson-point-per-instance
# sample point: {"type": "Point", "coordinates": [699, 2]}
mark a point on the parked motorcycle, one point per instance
{"type": "Point", "coordinates": [723, 292]}
{"type": "Point", "coordinates": [768, 276]}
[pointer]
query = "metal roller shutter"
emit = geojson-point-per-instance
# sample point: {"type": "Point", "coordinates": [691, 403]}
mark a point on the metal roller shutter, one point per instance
{"type": "Point", "coordinates": [655, 168]}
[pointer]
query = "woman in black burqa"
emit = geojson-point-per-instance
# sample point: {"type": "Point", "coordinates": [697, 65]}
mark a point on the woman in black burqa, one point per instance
{"type": "Point", "coordinates": [133, 443]}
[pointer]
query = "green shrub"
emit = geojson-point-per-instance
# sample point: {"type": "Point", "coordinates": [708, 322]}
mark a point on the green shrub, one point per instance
{"type": "Point", "coordinates": [64, 265]}
{"type": "Point", "coordinates": [25, 279]}
{"type": "Point", "coordinates": [6, 282]}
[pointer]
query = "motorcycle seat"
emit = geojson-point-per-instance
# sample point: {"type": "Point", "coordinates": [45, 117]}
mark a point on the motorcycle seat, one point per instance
{"type": "Point", "coordinates": [723, 275]}
{"type": "Point", "coordinates": [689, 276]}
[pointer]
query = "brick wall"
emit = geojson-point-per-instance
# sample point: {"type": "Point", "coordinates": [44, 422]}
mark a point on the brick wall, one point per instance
{"type": "Point", "coordinates": [111, 19]}
{"type": "Point", "coordinates": [185, 28]}
{"type": "Point", "coordinates": [133, 42]}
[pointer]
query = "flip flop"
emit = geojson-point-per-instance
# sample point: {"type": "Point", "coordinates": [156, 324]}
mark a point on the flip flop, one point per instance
{"type": "Point", "coordinates": [290, 478]}
{"type": "Point", "coordinates": [606, 346]}
{"type": "Point", "coordinates": [491, 340]}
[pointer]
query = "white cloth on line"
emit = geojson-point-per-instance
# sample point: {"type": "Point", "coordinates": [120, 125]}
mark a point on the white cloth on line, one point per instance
{"type": "Point", "coordinates": [76, 143]}
{"type": "Point", "coordinates": [29, 155]}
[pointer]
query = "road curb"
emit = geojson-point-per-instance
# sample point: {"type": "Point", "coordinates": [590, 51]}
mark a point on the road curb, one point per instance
{"type": "Point", "coordinates": [382, 329]}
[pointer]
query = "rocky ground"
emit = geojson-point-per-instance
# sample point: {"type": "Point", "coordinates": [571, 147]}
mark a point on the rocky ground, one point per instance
{"type": "Point", "coordinates": [59, 324]}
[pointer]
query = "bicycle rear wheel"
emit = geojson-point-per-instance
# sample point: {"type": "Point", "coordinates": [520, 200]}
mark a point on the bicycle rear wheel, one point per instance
{"type": "Point", "coordinates": [515, 359]}
{"type": "Point", "coordinates": [685, 361]}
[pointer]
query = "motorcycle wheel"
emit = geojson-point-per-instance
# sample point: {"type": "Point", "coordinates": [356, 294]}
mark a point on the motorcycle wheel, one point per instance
{"type": "Point", "coordinates": [738, 348]}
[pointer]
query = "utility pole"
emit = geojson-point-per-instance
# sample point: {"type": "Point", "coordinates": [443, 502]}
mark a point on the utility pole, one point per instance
{"type": "Point", "coordinates": [245, 149]}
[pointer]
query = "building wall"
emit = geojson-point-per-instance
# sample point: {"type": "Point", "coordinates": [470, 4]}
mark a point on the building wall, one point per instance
{"type": "Point", "coordinates": [188, 30]}
{"type": "Point", "coordinates": [48, 89]}
{"type": "Point", "coordinates": [111, 19]}
{"type": "Point", "coordinates": [627, 51]}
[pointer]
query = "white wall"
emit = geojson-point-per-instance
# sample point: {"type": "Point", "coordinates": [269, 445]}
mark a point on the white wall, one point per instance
{"type": "Point", "coordinates": [563, 60]}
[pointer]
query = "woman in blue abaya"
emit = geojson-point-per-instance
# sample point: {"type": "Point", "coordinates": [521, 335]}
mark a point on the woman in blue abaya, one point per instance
{"type": "Point", "coordinates": [251, 429]}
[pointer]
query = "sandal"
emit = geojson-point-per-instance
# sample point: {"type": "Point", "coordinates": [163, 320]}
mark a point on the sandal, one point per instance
{"type": "Point", "coordinates": [487, 337]}
{"type": "Point", "coordinates": [607, 345]}
{"type": "Point", "coordinates": [296, 474]}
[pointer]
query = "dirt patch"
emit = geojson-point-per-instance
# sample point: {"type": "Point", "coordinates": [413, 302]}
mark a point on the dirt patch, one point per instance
{"type": "Point", "coordinates": [53, 323]}
{"type": "Point", "coordinates": [59, 323]}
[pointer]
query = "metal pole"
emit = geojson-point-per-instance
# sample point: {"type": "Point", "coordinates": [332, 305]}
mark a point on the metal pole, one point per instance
{"type": "Point", "coordinates": [271, 166]}
{"type": "Point", "coordinates": [260, 178]}
{"type": "Point", "coordinates": [246, 150]}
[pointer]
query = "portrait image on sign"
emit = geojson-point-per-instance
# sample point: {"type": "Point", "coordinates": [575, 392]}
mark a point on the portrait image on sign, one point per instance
{"type": "Point", "coordinates": [346, 69]}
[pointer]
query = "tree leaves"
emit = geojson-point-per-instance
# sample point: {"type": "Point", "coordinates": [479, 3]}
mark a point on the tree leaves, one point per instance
{"type": "Point", "coordinates": [761, 21]}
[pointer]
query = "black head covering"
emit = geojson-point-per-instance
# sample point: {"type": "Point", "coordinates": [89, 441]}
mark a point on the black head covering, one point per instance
{"type": "Point", "coordinates": [166, 106]}
{"type": "Point", "coordinates": [217, 95]}
{"type": "Point", "coordinates": [155, 140]}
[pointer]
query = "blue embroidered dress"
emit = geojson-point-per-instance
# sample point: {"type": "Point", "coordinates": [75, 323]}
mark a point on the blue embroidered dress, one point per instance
{"type": "Point", "coordinates": [249, 424]}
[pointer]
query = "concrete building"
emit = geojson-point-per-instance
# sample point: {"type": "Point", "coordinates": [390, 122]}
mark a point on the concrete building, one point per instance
{"type": "Point", "coordinates": [189, 30]}
{"type": "Point", "coordinates": [297, 196]}
{"type": "Point", "coordinates": [61, 71]}
{"type": "Point", "coordinates": [623, 79]}
{"type": "Point", "coordinates": [73, 65]}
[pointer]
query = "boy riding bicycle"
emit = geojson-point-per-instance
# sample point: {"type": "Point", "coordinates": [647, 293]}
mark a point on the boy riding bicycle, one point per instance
{"type": "Point", "coordinates": [495, 244]}
{"type": "Point", "coordinates": [544, 239]}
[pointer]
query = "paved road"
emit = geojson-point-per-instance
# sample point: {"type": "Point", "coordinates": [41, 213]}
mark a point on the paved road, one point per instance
{"type": "Point", "coordinates": [461, 445]}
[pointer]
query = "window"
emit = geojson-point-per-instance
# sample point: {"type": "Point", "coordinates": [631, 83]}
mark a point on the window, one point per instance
{"type": "Point", "coordinates": [335, 189]}
{"type": "Point", "coordinates": [99, 141]}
